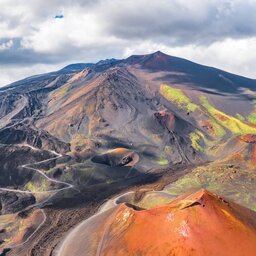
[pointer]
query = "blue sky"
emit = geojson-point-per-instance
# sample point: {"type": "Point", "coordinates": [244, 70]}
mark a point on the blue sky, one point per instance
{"type": "Point", "coordinates": [39, 36]}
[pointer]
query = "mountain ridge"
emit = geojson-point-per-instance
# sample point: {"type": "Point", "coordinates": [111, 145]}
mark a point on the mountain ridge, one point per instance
{"type": "Point", "coordinates": [152, 121]}
{"type": "Point", "coordinates": [74, 67]}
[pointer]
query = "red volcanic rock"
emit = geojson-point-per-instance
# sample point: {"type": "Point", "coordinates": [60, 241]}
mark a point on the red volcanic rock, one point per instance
{"type": "Point", "coordinates": [249, 138]}
{"type": "Point", "coordinates": [194, 224]}
{"type": "Point", "coordinates": [166, 119]}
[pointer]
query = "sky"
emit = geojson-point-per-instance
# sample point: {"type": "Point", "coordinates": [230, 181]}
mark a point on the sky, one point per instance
{"type": "Point", "coordinates": [38, 36]}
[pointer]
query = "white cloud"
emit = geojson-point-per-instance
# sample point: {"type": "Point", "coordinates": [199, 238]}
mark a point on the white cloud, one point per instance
{"type": "Point", "coordinates": [76, 29]}
{"type": "Point", "coordinates": [219, 33]}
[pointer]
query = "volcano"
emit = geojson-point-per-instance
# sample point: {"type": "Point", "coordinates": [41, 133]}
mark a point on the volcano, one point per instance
{"type": "Point", "coordinates": [74, 138]}
{"type": "Point", "coordinates": [198, 223]}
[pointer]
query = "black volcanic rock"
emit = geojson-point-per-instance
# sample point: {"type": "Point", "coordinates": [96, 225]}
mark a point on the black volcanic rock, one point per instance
{"type": "Point", "coordinates": [11, 159]}
{"type": "Point", "coordinates": [24, 134]}
{"type": "Point", "coordinates": [191, 73]}
{"type": "Point", "coordinates": [13, 202]}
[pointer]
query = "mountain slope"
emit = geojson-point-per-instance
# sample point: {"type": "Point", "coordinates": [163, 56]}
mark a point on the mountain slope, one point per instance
{"type": "Point", "coordinates": [89, 131]}
{"type": "Point", "coordinates": [168, 110]}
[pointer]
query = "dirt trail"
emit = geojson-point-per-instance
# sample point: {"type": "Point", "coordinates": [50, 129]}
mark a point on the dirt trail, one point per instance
{"type": "Point", "coordinates": [54, 191]}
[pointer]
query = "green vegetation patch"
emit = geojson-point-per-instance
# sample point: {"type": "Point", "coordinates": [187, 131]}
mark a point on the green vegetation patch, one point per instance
{"type": "Point", "coordinates": [217, 129]}
{"type": "Point", "coordinates": [240, 117]}
{"type": "Point", "coordinates": [252, 118]}
{"type": "Point", "coordinates": [221, 179]}
{"type": "Point", "coordinates": [195, 138]}
{"type": "Point", "coordinates": [38, 186]}
{"type": "Point", "coordinates": [178, 97]}
{"type": "Point", "coordinates": [62, 91]}
{"type": "Point", "coordinates": [162, 161]}
{"type": "Point", "coordinates": [234, 125]}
